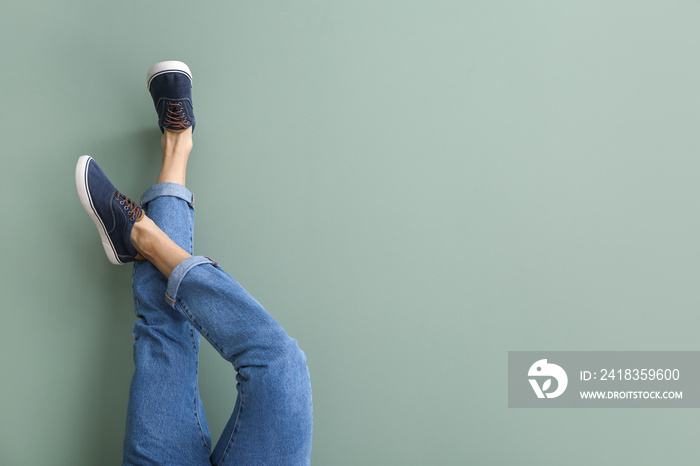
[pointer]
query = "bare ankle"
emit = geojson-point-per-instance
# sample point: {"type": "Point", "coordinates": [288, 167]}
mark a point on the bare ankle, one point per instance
{"type": "Point", "coordinates": [176, 152]}
{"type": "Point", "coordinates": [138, 232]}
{"type": "Point", "coordinates": [177, 143]}
{"type": "Point", "coordinates": [142, 234]}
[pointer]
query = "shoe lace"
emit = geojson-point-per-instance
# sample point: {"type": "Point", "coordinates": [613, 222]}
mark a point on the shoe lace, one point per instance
{"type": "Point", "coordinates": [175, 116]}
{"type": "Point", "coordinates": [133, 209]}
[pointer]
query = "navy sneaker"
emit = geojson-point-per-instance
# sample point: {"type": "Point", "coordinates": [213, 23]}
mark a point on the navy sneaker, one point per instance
{"type": "Point", "coordinates": [170, 85]}
{"type": "Point", "coordinates": [113, 213]}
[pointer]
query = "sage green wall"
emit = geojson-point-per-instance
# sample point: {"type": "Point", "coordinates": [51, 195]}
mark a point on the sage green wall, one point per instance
{"type": "Point", "coordinates": [411, 188]}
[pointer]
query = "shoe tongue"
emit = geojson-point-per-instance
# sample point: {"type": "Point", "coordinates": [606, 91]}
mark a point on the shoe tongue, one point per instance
{"type": "Point", "coordinates": [133, 205]}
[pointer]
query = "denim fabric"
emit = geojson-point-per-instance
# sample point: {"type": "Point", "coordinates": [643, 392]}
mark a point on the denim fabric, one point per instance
{"type": "Point", "coordinates": [272, 418]}
{"type": "Point", "coordinates": [169, 190]}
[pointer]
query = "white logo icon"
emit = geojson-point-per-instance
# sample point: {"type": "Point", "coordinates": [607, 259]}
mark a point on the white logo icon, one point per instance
{"type": "Point", "coordinates": [542, 369]}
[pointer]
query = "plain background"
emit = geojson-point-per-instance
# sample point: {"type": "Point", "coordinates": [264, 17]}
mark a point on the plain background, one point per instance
{"type": "Point", "coordinates": [411, 188]}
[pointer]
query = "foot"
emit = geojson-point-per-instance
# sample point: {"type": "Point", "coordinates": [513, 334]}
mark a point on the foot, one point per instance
{"type": "Point", "coordinates": [113, 213]}
{"type": "Point", "coordinates": [170, 85]}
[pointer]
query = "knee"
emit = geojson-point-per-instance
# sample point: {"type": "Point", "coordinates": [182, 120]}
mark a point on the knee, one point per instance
{"type": "Point", "coordinates": [291, 362]}
{"type": "Point", "coordinates": [291, 354]}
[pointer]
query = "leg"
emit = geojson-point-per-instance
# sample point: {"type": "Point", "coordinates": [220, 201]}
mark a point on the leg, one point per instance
{"type": "Point", "coordinates": [165, 417]}
{"type": "Point", "coordinates": [146, 235]}
{"type": "Point", "coordinates": [272, 418]}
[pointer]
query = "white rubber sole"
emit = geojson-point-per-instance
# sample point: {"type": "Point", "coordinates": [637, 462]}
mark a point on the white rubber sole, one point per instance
{"type": "Point", "coordinates": [167, 67]}
{"type": "Point", "coordinates": [81, 183]}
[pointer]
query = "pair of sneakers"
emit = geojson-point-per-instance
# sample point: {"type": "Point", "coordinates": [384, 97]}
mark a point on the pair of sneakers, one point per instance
{"type": "Point", "coordinates": [114, 214]}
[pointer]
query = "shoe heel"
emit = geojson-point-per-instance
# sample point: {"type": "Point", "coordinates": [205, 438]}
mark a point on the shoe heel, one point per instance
{"type": "Point", "coordinates": [171, 66]}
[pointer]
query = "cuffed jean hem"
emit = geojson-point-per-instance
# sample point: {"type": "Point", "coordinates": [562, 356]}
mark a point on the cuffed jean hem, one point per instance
{"type": "Point", "coordinates": [168, 189]}
{"type": "Point", "coordinates": [178, 274]}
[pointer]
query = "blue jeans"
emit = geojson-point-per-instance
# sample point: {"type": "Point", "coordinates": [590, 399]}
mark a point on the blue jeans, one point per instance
{"type": "Point", "coordinates": [272, 418]}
